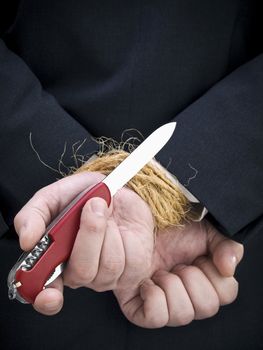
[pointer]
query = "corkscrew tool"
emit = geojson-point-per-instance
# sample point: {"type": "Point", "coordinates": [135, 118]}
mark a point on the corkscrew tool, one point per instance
{"type": "Point", "coordinates": [36, 269]}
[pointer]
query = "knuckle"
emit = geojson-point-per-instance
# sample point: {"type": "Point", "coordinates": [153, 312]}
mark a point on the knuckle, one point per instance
{"type": "Point", "coordinates": [44, 215]}
{"type": "Point", "coordinates": [46, 197]}
{"type": "Point", "coordinates": [44, 204]}
{"type": "Point", "coordinates": [93, 225]}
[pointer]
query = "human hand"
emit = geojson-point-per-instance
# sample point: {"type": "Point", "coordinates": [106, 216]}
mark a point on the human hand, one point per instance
{"type": "Point", "coordinates": [123, 257]}
{"type": "Point", "coordinates": [111, 245]}
{"type": "Point", "coordinates": [192, 276]}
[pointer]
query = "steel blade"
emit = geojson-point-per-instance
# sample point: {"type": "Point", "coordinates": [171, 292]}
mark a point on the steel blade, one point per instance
{"type": "Point", "coordinates": [139, 157]}
{"type": "Point", "coordinates": [58, 270]}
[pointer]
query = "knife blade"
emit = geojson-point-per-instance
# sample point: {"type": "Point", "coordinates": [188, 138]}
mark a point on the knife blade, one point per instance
{"type": "Point", "coordinates": [35, 270]}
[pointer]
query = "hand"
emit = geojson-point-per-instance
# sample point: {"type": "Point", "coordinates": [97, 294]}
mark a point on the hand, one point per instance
{"type": "Point", "coordinates": [116, 251]}
{"type": "Point", "coordinates": [112, 247]}
{"type": "Point", "coordinates": [192, 275]}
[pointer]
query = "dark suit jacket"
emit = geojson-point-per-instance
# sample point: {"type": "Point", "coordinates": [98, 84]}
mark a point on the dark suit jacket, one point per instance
{"type": "Point", "coordinates": [70, 70]}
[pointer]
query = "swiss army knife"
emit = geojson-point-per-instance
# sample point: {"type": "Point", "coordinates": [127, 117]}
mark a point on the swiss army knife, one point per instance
{"type": "Point", "coordinates": [36, 269]}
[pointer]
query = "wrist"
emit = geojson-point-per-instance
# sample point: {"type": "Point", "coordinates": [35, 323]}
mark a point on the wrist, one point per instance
{"type": "Point", "coordinates": [169, 206]}
{"type": "Point", "coordinates": [198, 210]}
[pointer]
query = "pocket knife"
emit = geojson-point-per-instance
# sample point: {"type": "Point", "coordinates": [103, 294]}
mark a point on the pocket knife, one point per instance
{"type": "Point", "coordinates": [36, 269]}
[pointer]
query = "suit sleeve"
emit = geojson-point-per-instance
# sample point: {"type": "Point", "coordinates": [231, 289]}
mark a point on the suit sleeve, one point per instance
{"type": "Point", "coordinates": [217, 150]}
{"type": "Point", "coordinates": [27, 109]}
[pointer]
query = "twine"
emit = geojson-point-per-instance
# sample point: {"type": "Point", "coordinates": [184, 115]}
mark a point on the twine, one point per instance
{"type": "Point", "coordinates": [168, 204]}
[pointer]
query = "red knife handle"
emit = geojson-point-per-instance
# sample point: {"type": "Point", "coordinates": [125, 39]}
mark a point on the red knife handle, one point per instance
{"type": "Point", "coordinates": [62, 235]}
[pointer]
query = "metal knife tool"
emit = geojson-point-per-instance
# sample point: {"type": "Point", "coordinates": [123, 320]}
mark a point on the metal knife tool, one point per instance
{"type": "Point", "coordinates": [36, 269]}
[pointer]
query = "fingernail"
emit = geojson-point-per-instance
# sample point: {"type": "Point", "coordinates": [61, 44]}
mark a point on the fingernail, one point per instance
{"type": "Point", "coordinates": [98, 206]}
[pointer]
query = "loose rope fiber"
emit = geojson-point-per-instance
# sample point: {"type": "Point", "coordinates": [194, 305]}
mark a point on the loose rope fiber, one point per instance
{"type": "Point", "coordinates": [168, 204]}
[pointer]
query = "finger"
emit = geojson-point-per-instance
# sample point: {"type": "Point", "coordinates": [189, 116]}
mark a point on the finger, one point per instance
{"type": "Point", "coordinates": [30, 223]}
{"type": "Point", "coordinates": [148, 308]}
{"type": "Point", "coordinates": [112, 260]}
{"type": "Point", "coordinates": [50, 300]}
{"type": "Point", "coordinates": [201, 292]}
{"type": "Point", "coordinates": [83, 264]}
{"type": "Point", "coordinates": [226, 287]}
{"type": "Point", "coordinates": [135, 222]}
{"type": "Point", "coordinates": [226, 253]}
{"type": "Point", "coordinates": [180, 308]}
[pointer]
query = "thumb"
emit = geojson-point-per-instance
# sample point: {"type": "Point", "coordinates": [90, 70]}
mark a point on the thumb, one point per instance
{"type": "Point", "coordinates": [226, 253]}
{"type": "Point", "coordinates": [31, 222]}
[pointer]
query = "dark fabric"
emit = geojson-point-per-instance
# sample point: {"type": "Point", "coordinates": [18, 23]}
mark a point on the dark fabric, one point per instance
{"type": "Point", "coordinates": [27, 110]}
{"type": "Point", "coordinates": [3, 226]}
{"type": "Point", "coordinates": [225, 128]}
{"type": "Point", "coordinates": [70, 70]}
